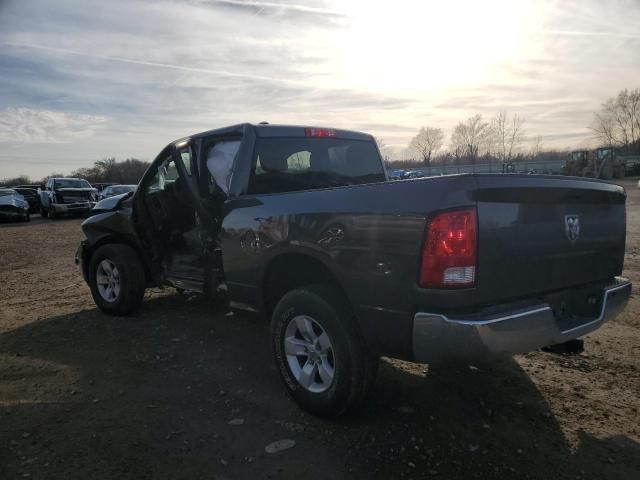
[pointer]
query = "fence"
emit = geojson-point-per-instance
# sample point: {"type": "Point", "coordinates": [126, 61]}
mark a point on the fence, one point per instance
{"type": "Point", "coordinates": [553, 167]}
{"type": "Point", "coordinates": [549, 167]}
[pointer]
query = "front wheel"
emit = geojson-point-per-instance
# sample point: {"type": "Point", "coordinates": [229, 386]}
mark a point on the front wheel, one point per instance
{"type": "Point", "coordinates": [319, 352]}
{"type": "Point", "coordinates": [116, 278]}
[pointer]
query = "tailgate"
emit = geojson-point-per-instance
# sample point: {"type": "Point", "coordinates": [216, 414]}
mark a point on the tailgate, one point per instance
{"type": "Point", "coordinates": [538, 234]}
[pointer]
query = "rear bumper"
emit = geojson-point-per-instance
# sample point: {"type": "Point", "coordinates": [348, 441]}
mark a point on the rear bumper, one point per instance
{"type": "Point", "coordinates": [436, 336]}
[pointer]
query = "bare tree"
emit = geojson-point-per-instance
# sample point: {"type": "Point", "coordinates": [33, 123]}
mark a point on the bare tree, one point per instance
{"type": "Point", "coordinates": [536, 147]}
{"type": "Point", "coordinates": [112, 170]}
{"type": "Point", "coordinates": [604, 128]}
{"type": "Point", "coordinates": [383, 147]}
{"type": "Point", "coordinates": [472, 137]}
{"type": "Point", "coordinates": [509, 133]}
{"type": "Point", "coordinates": [618, 121]}
{"type": "Point", "coordinates": [427, 143]}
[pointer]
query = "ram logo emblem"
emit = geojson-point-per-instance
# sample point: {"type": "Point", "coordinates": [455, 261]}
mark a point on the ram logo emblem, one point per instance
{"type": "Point", "coordinates": [572, 227]}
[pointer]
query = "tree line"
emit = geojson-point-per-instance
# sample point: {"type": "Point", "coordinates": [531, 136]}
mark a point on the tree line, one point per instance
{"type": "Point", "coordinates": [502, 138]}
{"type": "Point", "coordinates": [474, 140]}
{"type": "Point", "coordinates": [617, 124]}
{"type": "Point", "coordinates": [110, 170]}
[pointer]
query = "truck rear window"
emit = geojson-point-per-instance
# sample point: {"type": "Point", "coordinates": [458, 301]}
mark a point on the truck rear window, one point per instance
{"type": "Point", "coordinates": [288, 164]}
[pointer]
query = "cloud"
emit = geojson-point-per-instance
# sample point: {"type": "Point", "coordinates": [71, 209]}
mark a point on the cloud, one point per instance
{"type": "Point", "coordinates": [125, 77]}
{"type": "Point", "coordinates": [295, 10]}
{"type": "Point", "coordinates": [575, 33]}
{"type": "Point", "coordinates": [148, 63]}
{"type": "Point", "coordinates": [26, 125]}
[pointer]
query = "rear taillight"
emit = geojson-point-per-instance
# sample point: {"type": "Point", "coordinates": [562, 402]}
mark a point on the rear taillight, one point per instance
{"type": "Point", "coordinates": [449, 253]}
{"type": "Point", "coordinates": [319, 132]}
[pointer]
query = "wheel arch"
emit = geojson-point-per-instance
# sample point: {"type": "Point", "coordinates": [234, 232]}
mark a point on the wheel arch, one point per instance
{"type": "Point", "coordinates": [111, 239]}
{"type": "Point", "coordinates": [291, 270]}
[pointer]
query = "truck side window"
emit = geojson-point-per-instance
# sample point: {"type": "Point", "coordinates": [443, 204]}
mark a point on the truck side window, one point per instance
{"type": "Point", "coordinates": [220, 158]}
{"type": "Point", "coordinates": [185, 155]}
{"type": "Point", "coordinates": [166, 173]}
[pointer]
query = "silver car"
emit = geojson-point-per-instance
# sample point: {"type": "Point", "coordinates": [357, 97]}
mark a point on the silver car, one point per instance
{"type": "Point", "coordinates": [113, 190]}
{"type": "Point", "coordinates": [13, 206]}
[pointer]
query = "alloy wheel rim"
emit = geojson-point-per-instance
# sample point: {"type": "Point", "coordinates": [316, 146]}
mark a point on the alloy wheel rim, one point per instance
{"type": "Point", "coordinates": [108, 280]}
{"type": "Point", "coordinates": [309, 354]}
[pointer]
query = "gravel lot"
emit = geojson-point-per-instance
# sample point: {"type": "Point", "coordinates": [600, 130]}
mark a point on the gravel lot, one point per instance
{"type": "Point", "coordinates": [83, 395]}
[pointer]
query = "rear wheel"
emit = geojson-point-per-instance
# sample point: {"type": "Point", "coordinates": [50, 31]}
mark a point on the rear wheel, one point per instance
{"type": "Point", "coordinates": [116, 278]}
{"type": "Point", "coordinates": [319, 352]}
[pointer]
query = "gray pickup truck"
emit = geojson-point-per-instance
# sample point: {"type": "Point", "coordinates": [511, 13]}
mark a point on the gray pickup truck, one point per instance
{"type": "Point", "coordinates": [301, 225]}
{"type": "Point", "coordinates": [61, 196]}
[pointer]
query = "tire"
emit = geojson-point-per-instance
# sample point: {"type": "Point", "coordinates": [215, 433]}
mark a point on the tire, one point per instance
{"type": "Point", "coordinates": [349, 369]}
{"type": "Point", "coordinates": [52, 213]}
{"type": "Point", "coordinates": [128, 274]}
{"type": "Point", "coordinates": [27, 217]}
{"type": "Point", "coordinates": [43, 212]}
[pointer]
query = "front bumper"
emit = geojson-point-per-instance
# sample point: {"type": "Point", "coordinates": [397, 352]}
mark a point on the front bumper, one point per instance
{"type": "Point", "coordinates": [77, 207]}
{"type": "Point", "coordinates": [81, 257]}
{"type": "Point", "coordinates": [10, 212]}
{"type": "Point", "coordinates": [436, 336]}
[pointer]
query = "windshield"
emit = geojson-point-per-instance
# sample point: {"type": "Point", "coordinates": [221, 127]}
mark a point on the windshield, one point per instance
{"type": "Point", "coordinates": [304, 163]}
{"type": "Point", "coordinates": [71, 183]}
{"type": "Point", "coordinates": [123, 189]}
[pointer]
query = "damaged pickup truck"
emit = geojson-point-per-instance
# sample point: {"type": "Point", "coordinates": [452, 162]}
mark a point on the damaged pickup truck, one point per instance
{"type": "Point", "coordinates": [60, 196]}
{"type": "Point", "coordinates": [301, 225]}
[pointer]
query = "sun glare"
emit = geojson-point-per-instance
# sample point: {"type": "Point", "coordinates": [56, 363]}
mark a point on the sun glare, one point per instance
{"type": "Point", "coordinates": [416, 45]}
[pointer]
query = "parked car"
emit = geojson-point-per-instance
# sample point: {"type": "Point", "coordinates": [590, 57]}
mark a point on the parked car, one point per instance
{"type": "Point", "coordinates": [301, 225]}
{"type": "Point", "coordinates": [66, 195]}
{"type": "Point", "coordinates": [112, 190]}
{"type": "Point", "coordinates": [13, 206]}
{"type": "Point", "coordinates": [102, 185]}
{"type": "Point", "coordinates": [396, 174]}
{"type": "Point", "coordinates": [413, 174]}
{"type": "Point", "coordinates": [31, 196]}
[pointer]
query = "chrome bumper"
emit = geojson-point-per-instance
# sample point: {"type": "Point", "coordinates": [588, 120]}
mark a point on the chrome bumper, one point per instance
{"type": "Point", "coordinates": [436, 336]}
{"type": "Point", "coordinates": [72, 207]}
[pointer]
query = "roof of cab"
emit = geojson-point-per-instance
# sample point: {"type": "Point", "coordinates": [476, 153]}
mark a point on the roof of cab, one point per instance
{"type": "Point", "coordinates": [269, 130]}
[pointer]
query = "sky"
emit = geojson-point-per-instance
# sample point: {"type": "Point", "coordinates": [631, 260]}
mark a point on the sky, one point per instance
{"type": "Point", "coordinates": [84, 80]}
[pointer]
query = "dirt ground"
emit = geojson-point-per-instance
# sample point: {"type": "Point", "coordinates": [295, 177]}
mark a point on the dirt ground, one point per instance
{"type": "Point", "coordinates": [84, 395]}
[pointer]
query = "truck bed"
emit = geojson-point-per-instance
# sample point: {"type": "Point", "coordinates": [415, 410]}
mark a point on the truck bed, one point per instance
{"type": "Point", "coordinates": [371, 238]}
